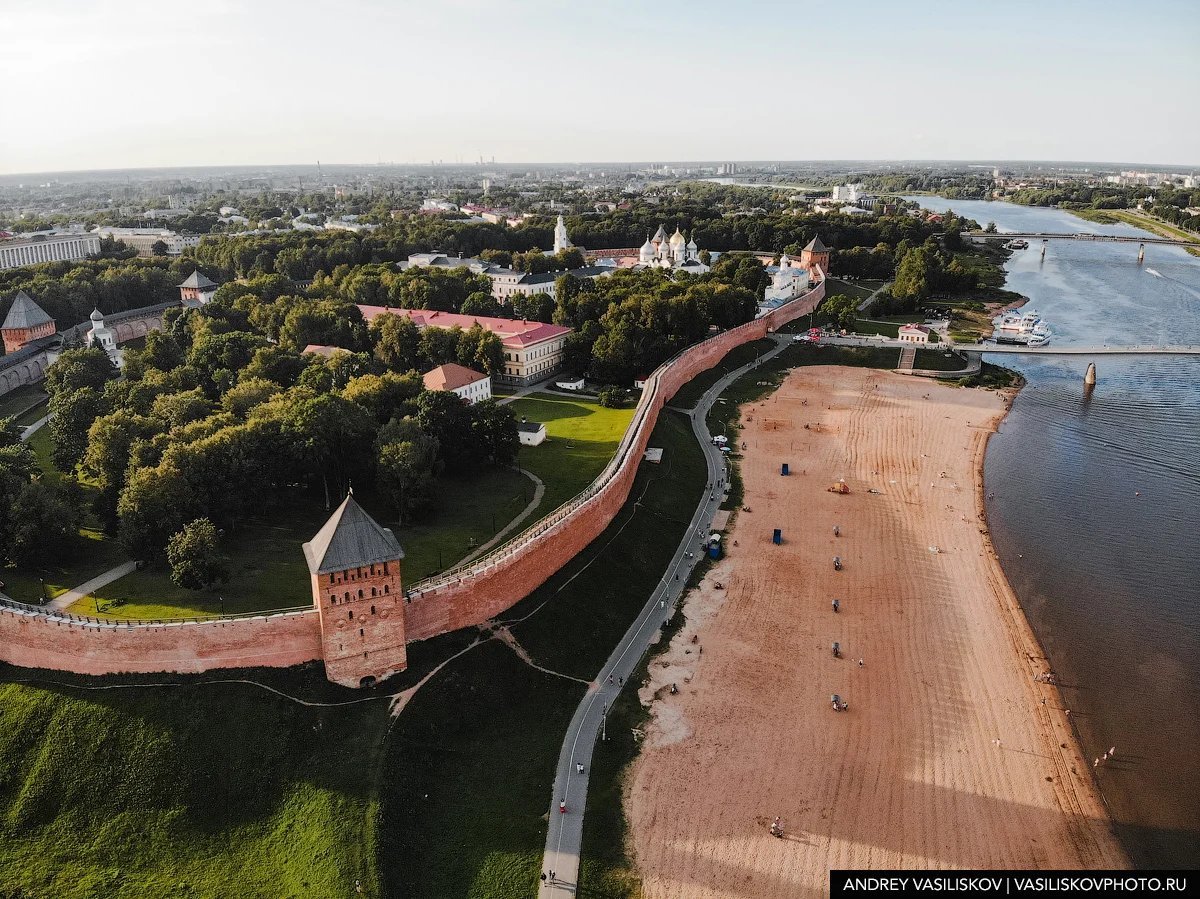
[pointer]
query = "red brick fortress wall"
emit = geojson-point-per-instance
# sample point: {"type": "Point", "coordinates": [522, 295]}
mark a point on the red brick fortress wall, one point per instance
{"type": "Point", "coordinates": [510, 573]}
{"type": "Point", "coordinates": [469, 596]}
{"type": "Point", "coordinates": [35, 639]}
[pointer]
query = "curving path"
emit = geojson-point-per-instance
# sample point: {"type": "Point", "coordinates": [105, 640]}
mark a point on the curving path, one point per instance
{"type": "Point", "coordinates": [539, 490]}
{"type": "Point", "coordinates": [565, 834]}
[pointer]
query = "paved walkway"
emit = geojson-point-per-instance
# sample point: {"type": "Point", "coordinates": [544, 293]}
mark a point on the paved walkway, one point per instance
{"type": "Point", "coordinates": [85, 589]}
{"type": "Point", "coordinates": [539, 489]}
{"type": "Point", "coordinates": [524, 391]}
{"type": "Point", "coordinates": [565, 834]}
{"type": "Point", "coordinates": [32, 429]}
{"type": "Point", "coordinates": [866, 304]}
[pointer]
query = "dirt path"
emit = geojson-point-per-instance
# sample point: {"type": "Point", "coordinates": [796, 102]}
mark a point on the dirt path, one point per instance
{"type": "Point", "coordinates": [947, 756]}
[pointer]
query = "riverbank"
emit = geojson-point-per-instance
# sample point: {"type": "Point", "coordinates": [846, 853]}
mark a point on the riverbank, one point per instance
{"type": "Point", "coordinates": [1136, 220]}
{"type": "Point", "coordinates": [950, 755]}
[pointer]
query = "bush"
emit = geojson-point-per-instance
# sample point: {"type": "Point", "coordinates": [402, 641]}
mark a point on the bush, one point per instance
{"type": "Point", "coordinates": [195, 556]}
{"type": "Point", "coordinates": [614, 397]}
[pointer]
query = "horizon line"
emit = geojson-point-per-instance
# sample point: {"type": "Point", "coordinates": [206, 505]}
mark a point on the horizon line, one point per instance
{"type": "Point", "coordinates": [982, 161]}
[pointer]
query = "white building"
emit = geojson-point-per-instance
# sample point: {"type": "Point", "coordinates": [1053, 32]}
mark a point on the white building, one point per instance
{"type": "Point", "coordinates": [531, 433]}
{"type": "Point", "coordinates": [914, 334]}
{"type": "Point", "coordinates": [675, 252]}
{"type": "Point", "coordinates": [105, 338]}
{"type": "Point", "coordinates": [561, 240]}
{"type": "Point", "coordinates": [435, 205]}
{"type": "Point", "coordinates": [144, 239]}
{"type": "Point", "coordinates": [57, 248]}
{"type": "Point", "coordinates": [847, 193]}
{"type": "Point", "coordinates": [473, 386]}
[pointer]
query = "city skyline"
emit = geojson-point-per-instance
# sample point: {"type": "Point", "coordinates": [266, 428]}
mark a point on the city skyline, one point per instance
{"type": "Point", "coordinates": [280, 84]}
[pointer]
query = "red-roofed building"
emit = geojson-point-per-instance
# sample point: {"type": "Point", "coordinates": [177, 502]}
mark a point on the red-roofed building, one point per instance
{"type": "Point", "coordinates": [914, 334]}
{"type": "Point", "coordinates": [471, 385]}
{"type": "Point", "coordinates": [532, 350]}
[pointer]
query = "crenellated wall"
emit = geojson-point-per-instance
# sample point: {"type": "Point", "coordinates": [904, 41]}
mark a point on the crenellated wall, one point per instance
{"type": "Point", "coordinates": [36, 639]}
{"type": "Point", "coordinates": [460, 598]}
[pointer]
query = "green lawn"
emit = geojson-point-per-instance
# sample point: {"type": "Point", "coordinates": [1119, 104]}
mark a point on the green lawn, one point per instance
{"type": "Point", "coordinates": [266, 559]}
{"type": "Point", "coordinates": [689, 394]}
{"type": "Point", "coordinates": [90, 553]}
{"type": "Point", "coordinates": [201, 791]}
{"type": "Point", "coordinates": [29, 416]}
{"type": "Point", "coordinates": [469, 769]}
{"type": "Point", "coordinates": [582, 610]}
{"type": "Point", "coordinates": [938, 360]}
{"type": "Point", "coordinates": [469, 513]}
{"type": "Point", "coordinates": [581, 437]}
{"type": "Point", "coordinates": [21, 398]}
{"type": "Point", "coordinates": [473, 755]}
{"type": "Point", "coordinates": [860, 290]}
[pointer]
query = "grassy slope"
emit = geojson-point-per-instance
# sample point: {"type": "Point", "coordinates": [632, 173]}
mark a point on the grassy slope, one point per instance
{"type": "Point", "coordinates": [20, 399]}
{"type": "Point", "coordinates": [574, 620]}
{"type": "Point", "coordinates": [689, 394]}
{"type": "Point", "coordinates": [198, 791]}
{"type": "Point", "coordinates": [581, 436]}
{"type": "Point", "coordinates": [482, 739]}
{"type": "Point", "coordinates": [470, 764]}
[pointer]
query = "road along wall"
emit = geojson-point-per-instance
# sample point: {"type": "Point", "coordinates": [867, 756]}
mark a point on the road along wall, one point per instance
{"type": "Point", "coordinates": [461, 597]}
{"type": "Point", "coordinates": [512, 571]}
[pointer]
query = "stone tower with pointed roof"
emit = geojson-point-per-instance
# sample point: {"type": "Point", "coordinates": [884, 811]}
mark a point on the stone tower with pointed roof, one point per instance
{"type": "Point", "coordinates": [355, 567]}
{"type": "Point", "coordinates": [26, 321]}
{"type": "Point", "coordinates": [816, 253]}
{"type": "Point", "coordinates": [197, 289]}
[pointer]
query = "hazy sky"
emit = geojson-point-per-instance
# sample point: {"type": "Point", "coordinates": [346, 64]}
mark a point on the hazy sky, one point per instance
{"type": "Point", "coordinates": [125, 83]}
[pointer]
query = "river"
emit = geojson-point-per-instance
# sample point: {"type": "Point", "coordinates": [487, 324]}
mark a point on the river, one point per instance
{"type": "Point", "coordinates": [1095, 513]}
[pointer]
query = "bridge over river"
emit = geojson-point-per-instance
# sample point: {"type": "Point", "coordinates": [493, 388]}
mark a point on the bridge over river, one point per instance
{"type": "Point", "coordinates": [1111, 238]}
{"type": "Point", "coordinates": [1055, 350]}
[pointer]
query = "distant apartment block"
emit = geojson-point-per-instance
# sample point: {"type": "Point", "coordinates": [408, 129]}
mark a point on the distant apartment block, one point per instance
{"type": "Point", "coordinates": [51, 248]}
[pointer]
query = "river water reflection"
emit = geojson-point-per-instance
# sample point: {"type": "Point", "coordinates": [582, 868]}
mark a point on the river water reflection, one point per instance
{"type": "Point", "coordinates": [1096, 513]}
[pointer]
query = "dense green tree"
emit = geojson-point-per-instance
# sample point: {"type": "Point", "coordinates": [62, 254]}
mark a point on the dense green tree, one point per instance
{"type": "Point", "coordinates": [843, 310]}
{"type": "Point", "coordinates": [181, 408]}
{"type": "Point", "coordinates": [495, 432]}
{"type": "Point", "coordinates": [407, 467]}
{"type": "Point", "coordinates": [534, 307]}
{"type": "Point", "coordinates": [42, 520]}
{"type": "Point", "coordinates": [397, 342]}
{"type": "Point", "coordinates": [72, 413]}
{"type": "Point", "coordinates": [445, 417]}
{"type": "Point", "coordinates": [194, 554]}
{"type": "Point", "coordinates": [78, 369]}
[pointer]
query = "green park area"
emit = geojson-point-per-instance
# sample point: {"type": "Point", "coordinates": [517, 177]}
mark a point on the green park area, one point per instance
{"type": "Point", "coordinates": [179, 791]}
{"type": "Point", "coordinates": [22, 401]}
{"type": "Point", "coordinates": [202, 790]}
{"type": "Point", "coordinates": [468, 820]}
{"type": "Point", "coordinates": [689, 394]}
{"type": "Point", "coordinates": [264, 558]}
{"type": "Point", "coordinates": [581, 436]}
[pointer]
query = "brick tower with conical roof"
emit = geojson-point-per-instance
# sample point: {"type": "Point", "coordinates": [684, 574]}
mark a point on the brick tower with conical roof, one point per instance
{"type": "Point", "coordinates": [355, 567]}
{"type": "Point", "coordinates": [26, 321]}
{"type": "Point", "coordinates": [816, 253]}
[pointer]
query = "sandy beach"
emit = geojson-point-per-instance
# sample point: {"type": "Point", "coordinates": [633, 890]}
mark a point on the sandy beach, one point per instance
{"type": "Point", "coordinates": [952, 753]}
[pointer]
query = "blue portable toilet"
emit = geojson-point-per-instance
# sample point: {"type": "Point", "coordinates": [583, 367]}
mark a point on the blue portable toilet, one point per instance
{"type": "Point", "coordinates": [714, 551]}
{"type": "Point", "coordinates": [784, 472]}
{"type": "Point", "coordinates": [777, 537]}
